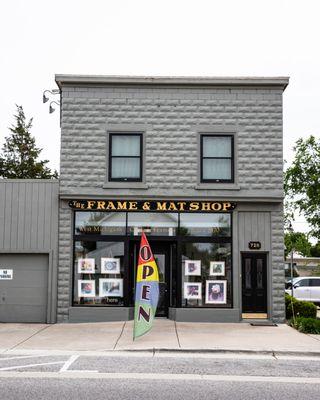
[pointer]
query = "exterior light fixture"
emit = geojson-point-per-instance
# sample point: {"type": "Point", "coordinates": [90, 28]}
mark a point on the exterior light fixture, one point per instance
{"type": "Point", "coordinates": [51, 109]}
{"type": "Point", "coordinates": [53, 92]}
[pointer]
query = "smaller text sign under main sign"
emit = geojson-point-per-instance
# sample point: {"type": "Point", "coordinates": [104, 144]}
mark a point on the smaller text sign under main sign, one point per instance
{"type": "Point", "coordinates": [154, 205]}
{"type": "Point", "coordinates": [6, 274]}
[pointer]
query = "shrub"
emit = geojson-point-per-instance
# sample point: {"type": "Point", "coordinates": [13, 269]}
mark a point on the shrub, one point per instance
{"type": "Point", "coordinates": [301, 308]}
{"type": "Point", "coordinates": [306, 325]}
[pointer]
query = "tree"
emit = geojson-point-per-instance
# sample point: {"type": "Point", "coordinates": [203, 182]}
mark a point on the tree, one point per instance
{"type": "Point", "coordinates": [19, 158]}
{"type": "Point", "coordinates": [302, 182]}
{"type": "Point", "coordinates": [297, 241]}
{"type": "Point", "coordinates": [315, 250]}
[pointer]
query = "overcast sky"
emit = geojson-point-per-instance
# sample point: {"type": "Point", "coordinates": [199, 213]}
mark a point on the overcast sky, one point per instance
{"type": "Point", "coordinates": [40, 38]}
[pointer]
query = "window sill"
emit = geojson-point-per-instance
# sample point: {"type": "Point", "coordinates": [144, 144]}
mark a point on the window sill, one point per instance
{"type": "Point", "coordinates": [125, 185]}
{"type": "Point", "coordinates": [217, 186]}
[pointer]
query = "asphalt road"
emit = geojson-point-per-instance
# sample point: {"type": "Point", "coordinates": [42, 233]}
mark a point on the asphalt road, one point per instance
{"type": "Point", "coordinates": [158, 376]}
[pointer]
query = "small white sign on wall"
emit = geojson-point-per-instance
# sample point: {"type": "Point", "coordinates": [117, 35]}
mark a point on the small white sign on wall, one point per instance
{"type": "Point", "coordinates": [6, 274]}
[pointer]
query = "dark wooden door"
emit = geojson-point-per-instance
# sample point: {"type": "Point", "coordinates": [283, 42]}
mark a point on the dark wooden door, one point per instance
{"type": "Point", "coordinates": [254, 283]}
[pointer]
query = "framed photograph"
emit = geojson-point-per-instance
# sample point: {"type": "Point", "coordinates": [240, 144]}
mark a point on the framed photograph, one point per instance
{"type": "Point", "coordinates": [217, 268]}
{"type": "Point", "coordinates": [110, 265]}
{"type": "Point", "coordinates": [216, 292]}
{"type": "Point", "coordinates": [86, 265]}
{"type": "Point", "coordinates": [86, 288]}
{"type": "Point", "coordinates": [110, 287]}
{"type": "Point", "coordinates": [192, 267]}
{"type": "Point", "coordinates": [192, 290]}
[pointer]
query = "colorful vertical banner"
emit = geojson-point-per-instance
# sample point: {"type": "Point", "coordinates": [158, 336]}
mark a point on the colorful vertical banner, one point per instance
{"type": "Point", "coordinates": [147, 290]}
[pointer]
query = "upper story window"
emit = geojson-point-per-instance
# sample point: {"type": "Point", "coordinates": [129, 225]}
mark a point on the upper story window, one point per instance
{"type": "Point", "coordinates": [217, 158]}
{"type": "Point", "coordinates": [125, 157]}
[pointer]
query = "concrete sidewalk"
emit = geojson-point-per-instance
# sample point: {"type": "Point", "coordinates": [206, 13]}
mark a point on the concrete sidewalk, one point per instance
{"type": "Point", "coordinates": [165, 335]}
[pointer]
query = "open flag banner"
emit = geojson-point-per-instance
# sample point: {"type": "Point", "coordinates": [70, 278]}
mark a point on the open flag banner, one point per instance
{"type": "Point", "coordinates": [147, 290]}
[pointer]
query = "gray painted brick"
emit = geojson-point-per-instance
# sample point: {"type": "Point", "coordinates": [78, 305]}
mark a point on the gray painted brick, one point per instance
{"type": "Point", "coordinates": [172, 119]}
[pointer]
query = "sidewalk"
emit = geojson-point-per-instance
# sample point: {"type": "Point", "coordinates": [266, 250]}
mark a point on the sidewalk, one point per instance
{"type": "Point", "coordinates": [166, 335]}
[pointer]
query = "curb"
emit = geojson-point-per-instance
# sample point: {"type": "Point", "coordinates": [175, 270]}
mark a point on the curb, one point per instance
{"type": "Point", "coordinates": [154, 351]}
{"type": "Point", "coordinates": [223, 351]}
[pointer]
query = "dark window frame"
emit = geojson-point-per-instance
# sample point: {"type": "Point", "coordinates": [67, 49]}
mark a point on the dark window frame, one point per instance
{"type": "Point", "coordinates": [111, 157]}
{"type": "Point", "coordinates": [202, 158]}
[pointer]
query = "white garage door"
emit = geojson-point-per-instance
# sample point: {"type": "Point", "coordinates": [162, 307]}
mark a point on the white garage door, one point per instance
{"type": "Point", "coordinates": [24, 297]}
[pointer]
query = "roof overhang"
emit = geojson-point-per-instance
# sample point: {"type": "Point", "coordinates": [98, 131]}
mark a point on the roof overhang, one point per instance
{"type": "Point", "coordinates": [113, 80]}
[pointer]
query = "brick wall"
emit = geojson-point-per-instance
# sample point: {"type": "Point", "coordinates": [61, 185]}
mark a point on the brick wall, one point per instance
{"type": "Point", "coordinates": [172, 119]}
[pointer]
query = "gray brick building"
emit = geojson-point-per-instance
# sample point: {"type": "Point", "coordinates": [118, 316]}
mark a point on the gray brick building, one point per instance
{"type": "Point", "coordinates": [196, 163]}
{"type": "Point", "coordinates": [176, 122]}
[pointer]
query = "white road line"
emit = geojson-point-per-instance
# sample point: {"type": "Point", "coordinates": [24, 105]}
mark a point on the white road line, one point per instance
{"type": "Point", "coordinates": [83, 371]}
{"type": "Point", "coordinates": [22, 357]}
{"type": "Point", "coordinates": [30, 365]}
{"type": "Point", "coordinates": [163, 377]}
{"type": "Point", "coordinates": [68, 363]}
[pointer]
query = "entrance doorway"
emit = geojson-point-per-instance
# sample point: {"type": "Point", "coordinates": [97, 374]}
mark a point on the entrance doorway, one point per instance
{"type": "Point", "coordinates": [254, 285]}
{"type": "Point", "coordinates": [164, 254]}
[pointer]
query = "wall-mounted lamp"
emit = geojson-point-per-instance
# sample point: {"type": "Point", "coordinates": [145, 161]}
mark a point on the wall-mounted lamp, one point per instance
{"type": "Point", "coordinates": [53, 92]}
{"type": "Point", "coordinates": [51, 109]}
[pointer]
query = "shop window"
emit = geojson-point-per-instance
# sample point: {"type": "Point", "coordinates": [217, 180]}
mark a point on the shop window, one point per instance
{"type": "Point", "coordinates": [100, 223]}
{"type": "Point", "coordinates": [205, 224]}
{"type": "Point", "coordinates": [153, 224]}
{"type": "Point", "coordinates": [98, 273]}
{"type": "Point", "coordinates": [206, 274]}
{"type": "Point", "coordinates": [125, 157]}
{"type": "Point", "coordinates": [217, 158]}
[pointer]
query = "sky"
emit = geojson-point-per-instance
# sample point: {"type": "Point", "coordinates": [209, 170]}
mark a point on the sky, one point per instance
{"type": "Point", "coordinates": [40, 38]}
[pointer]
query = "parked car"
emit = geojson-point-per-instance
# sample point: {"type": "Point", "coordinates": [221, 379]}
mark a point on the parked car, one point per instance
{"type": "Point", "coordinates": [305, 288]}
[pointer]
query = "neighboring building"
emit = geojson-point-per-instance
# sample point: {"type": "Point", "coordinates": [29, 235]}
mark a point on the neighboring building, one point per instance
{"type": "Point", "coordinates": [194, 162]}
{"type": "Point", "coordinates": [304, 266]}
{"type": "Point", "coordinates": [28, 250]}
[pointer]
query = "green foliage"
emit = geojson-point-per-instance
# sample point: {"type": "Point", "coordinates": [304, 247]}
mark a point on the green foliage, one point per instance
{"type": "Point", "coordinates": [301, 308]}
{"type": "Point", "coordinates": [19, 158]}
{"type": "Point", "coordinates": [306, 325]}
{"type": "Point", "coordinates": [297, 241]}
{"type": "Point", "coordinates": [302, 182]}
{"type": "Point", "coordinates": [315, 250]}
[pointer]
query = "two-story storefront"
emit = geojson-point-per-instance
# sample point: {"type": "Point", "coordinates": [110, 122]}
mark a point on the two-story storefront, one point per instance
{"type": "Point", "coordinates": [194, 162]}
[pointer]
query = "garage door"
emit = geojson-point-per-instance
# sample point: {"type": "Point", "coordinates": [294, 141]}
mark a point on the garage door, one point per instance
{"type": "Point", "coordinates": [24, 297]}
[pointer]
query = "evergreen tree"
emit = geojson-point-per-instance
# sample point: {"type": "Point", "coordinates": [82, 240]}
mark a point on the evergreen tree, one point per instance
{"type": "Point", "coordinates": [19, 158]}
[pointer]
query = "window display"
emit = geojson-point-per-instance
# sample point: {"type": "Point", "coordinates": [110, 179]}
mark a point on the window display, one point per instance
{"type": "Point", "coordinates": [110, 287]}
{"type": "Point", "coordinates": [86, 288]}
{"type": "Point", "coordinates": [217, 268]}
{"type": "Point", "coordinates": [192, 290]}
{"type": "Point", "coordinates": [216, 292]}
{"type": "Point", "coordinates": [207, 260]}
{"type": "Point", "coordinates": [192, 267]}
{"type": "Point", "coordinates": [105, 259]}
{"type": "Point", "coordinates": [194, 247]}
{"type": "Point", "coordinates": [110, 265]}
{"type": "Point", "coordinates": [86, 266]}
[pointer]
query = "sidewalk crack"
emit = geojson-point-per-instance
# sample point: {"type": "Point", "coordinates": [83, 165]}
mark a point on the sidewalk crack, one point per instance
{"type": "Point", "coordinates": [175, 328]}
{"type": "Point", "coordinates": [25, 340]}
{"type": "Point", "coordinates": [116, 344]}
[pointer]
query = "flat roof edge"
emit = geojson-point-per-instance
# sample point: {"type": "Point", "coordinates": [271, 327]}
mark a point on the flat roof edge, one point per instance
{"type": "Point", "coordinates": [281, 81]}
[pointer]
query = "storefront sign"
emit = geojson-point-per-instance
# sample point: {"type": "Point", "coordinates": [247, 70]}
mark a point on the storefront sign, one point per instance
{"type": "Point", "coordinates": [158, 205]}
{"type": "Point", "coordinates": [6, 274]}
{"type": "Point", "coordinates": [147, 290]}
{"type": "Point", "coordinates": [254, 245]}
